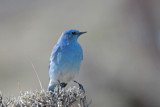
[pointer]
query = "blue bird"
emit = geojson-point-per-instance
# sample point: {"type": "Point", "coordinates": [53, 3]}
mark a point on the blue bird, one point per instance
{"type": "Point", "coordinates": [65, 59]}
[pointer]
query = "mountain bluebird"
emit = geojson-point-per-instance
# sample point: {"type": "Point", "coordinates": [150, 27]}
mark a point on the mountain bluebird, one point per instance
{"type": "Point", "coordinates": [65, 59]}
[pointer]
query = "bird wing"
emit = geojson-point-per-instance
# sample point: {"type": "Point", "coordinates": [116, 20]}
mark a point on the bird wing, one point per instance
{"type": "Point", "coordinates": [53, 60]}
{"type": "Point", "coordinates": [54, 53]}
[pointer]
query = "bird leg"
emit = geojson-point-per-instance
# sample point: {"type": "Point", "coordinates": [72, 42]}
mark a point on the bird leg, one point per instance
{"type": "Point", "coordinates": [80, 86]}
{"type": "Point", "coordinates": [62, 85]}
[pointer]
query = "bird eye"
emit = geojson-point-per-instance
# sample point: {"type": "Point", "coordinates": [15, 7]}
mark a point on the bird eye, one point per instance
{"type": "Point", "coordinates": [73, 33]}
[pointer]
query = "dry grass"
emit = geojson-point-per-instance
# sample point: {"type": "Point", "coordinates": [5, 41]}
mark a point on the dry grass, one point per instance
{"type": "Point", "coordinates": [58, 98]}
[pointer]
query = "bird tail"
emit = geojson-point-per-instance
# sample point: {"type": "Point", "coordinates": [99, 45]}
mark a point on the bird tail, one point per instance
{"type": "Point", "coordinates": [51, 87]}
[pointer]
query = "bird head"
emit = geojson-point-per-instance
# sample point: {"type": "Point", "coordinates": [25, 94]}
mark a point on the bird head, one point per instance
{"type": "Point", "coordinates": [71, 34]}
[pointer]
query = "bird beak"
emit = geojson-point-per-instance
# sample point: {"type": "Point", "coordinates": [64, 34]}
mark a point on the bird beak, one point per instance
{"type": "Point", "coordinates": [80, 33]}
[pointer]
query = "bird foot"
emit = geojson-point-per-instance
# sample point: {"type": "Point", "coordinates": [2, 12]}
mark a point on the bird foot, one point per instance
{"type": "Point", "coordinates": [62, 84]}
{"type": "Point", "coordinates": [80, 86]}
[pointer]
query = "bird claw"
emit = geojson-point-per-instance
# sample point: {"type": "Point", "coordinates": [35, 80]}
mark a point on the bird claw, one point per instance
{"type": "Point", "coordinates": [63, 84]}
{"type": "Point", "coordinates": [80, 86]}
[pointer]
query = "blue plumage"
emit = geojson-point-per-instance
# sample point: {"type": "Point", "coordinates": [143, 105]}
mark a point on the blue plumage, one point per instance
{"type": "Point", "coordinates": [65, 59]}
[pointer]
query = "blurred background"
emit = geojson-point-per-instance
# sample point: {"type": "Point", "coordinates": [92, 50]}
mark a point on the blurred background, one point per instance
{"type": "Point", "coordinates": [121, 66]}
